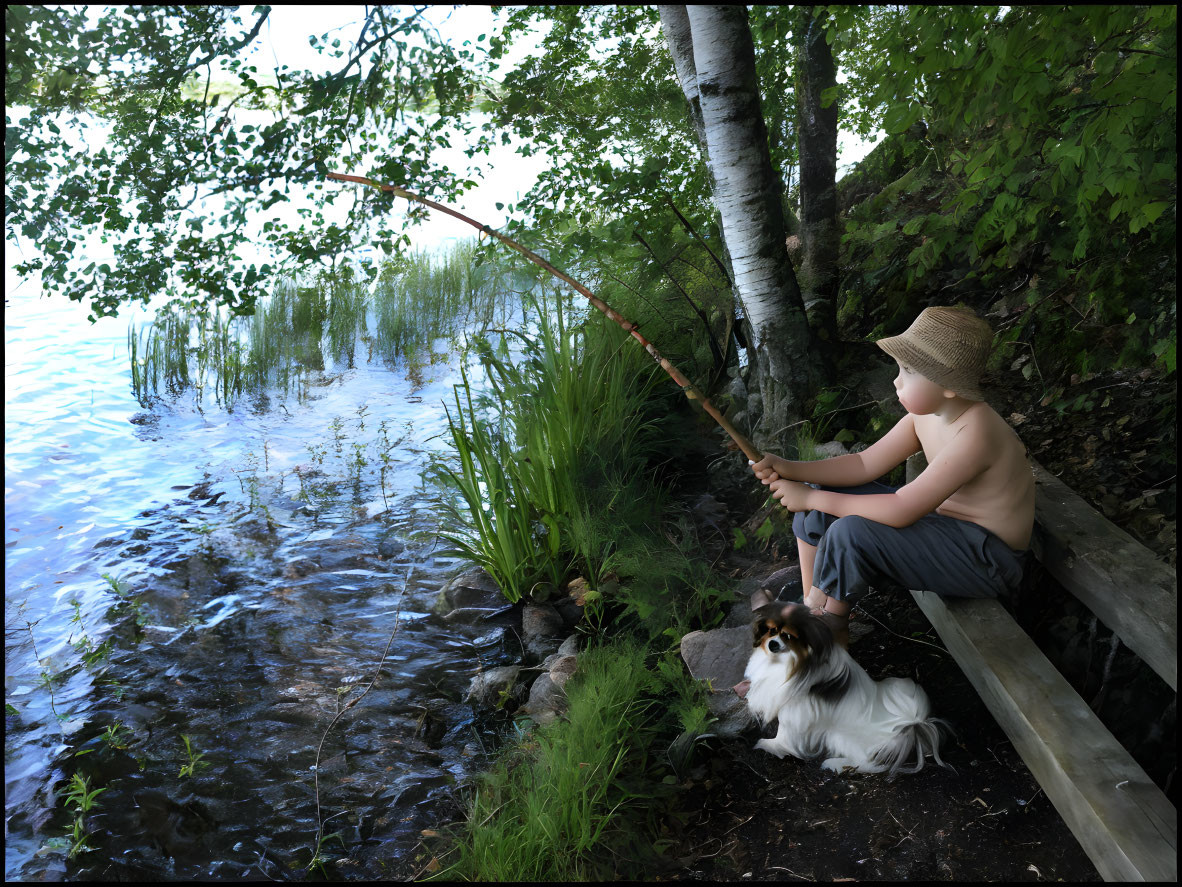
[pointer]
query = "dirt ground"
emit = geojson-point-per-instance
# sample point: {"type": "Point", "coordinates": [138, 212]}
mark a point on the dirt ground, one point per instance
{"type": "Point", "coordinates": [983, 819]}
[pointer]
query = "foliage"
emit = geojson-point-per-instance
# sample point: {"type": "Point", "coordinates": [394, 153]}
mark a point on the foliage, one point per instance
{"type": "Point", "coordinates": [177, 168]}
{"type": "Point", "coordinates": [196, 763]}
{"type": "Point", "coordinates": [567, 416]}
{"type": "Point", "coordinates": [1043, 181]}
{"type": "Point", "coordinates": [577, 799]}
{"type": "Point", "coordinates": [80, 799]}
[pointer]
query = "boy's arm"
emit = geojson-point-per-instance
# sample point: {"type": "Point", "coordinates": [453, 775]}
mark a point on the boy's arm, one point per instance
{"type": "Point", "coordinates": [853, 469]}
{"type": "Point", "coordinates": [965, 457]}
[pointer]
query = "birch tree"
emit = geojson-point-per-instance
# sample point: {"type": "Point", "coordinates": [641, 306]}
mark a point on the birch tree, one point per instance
{"type": "Point", "coordinates": [715, 61]}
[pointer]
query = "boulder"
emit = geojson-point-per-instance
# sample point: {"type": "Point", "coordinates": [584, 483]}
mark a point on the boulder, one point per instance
{"type": "Point", "coordinates": [719, 657]}
{"type": "Point", "coordinates": [541, 627]}
{"type": "Point", "coordinates": [546, 700]}
{"type": "Point", "coordinates": [562, 669]}
{"type": "Point", "coordinates": [569, 609]}
{"type": "Point", "coordinates": [473, 589]}
{"type": "Point", "coordinates": [489, 688]}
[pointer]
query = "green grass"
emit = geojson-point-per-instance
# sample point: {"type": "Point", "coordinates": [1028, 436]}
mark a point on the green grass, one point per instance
{"type": "Point", "coordinates": [578, 800]}
{"type": "Point", "coordinates": [567, 419]}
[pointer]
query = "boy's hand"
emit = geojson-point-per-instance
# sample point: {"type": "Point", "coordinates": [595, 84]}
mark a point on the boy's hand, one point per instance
{"type": "Point", "coordinates": [764, 469]}
{"type": "Point", "coordinates": [792, 495]}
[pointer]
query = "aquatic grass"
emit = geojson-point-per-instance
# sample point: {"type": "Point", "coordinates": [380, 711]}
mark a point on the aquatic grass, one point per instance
{"type": "Point", "coordinates": [568, 804]}
{"type": "Point", "coordinates": [570, 415]}
{"type": "Point", "coordinates": [496, 528]}
{"type": "Point", "coordinates": [310, 323]}
{"type": "Point", "coordinates": [424, 296]}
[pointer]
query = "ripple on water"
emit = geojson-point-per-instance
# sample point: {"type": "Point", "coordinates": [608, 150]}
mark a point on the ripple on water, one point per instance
{"type": "Point", "coordinates": [255, 635]}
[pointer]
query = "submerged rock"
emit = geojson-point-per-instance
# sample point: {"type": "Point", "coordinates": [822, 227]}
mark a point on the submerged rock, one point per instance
{"type": "Point", "coordinates": [391, 547]}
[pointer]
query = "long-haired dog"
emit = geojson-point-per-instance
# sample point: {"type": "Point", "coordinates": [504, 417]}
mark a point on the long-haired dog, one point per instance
{"type": "Point", "coordinates": [826, 704]}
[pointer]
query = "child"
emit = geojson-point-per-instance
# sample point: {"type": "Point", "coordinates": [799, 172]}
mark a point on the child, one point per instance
{"type": "Point", "coordinates": [959, 529]}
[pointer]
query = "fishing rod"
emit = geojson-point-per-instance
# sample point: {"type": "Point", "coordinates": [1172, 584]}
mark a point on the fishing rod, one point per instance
{"type": "Point", "coordinates": [683, 383]}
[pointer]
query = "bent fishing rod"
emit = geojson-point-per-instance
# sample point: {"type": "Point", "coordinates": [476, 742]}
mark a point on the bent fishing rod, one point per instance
{"type": "Point", "coordinates": [683, 383]}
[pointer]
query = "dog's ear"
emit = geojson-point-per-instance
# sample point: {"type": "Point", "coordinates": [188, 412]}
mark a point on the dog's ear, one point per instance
{"type": "Point", "coordinates": [815, 634]}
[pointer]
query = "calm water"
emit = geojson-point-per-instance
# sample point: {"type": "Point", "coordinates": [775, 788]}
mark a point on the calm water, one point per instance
{"type": "Point", "coordinates": [270, 566]}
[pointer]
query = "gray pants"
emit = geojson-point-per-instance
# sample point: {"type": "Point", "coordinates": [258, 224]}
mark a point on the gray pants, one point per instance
{"type": "Point", "coordinates": [936, 553]}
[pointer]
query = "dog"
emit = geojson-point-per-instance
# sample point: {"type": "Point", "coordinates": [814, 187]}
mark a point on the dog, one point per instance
{"type": "Point", "coordinates": [826, 704]}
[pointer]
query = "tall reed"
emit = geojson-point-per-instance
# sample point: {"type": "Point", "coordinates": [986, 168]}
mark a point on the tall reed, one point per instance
{"type": "Point", "coordinates": [309, 324]}
{"type": "Point", "coordinates": [567, 417]}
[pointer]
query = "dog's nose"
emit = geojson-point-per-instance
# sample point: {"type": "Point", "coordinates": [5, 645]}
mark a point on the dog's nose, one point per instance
{"type": "Point", "coordinates": [774, 645]}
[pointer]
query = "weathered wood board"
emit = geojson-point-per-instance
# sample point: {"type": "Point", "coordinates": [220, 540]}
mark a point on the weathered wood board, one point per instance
{"type": "Point", "coordinates": [1122, 820]}
{"type": "Point", "coordinates": [1114, 575]}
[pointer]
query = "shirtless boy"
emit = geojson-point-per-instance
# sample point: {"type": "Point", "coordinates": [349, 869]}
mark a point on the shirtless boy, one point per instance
{"type": "Point", "coordinates": [959, 529]}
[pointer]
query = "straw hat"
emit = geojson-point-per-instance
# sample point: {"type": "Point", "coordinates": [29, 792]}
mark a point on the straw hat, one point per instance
{"type": "Point", "coordinates": [949, 346]}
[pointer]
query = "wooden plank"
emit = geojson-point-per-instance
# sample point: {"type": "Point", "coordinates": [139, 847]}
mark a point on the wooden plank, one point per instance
{"type": "Point", "coordinates": [1120, 580]}
{"type": "Point", "coordinates": [1122, 820]}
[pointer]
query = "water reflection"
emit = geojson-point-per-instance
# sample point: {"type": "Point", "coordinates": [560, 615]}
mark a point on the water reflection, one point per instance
{"type": "Point", "coordinates": [258, 554]}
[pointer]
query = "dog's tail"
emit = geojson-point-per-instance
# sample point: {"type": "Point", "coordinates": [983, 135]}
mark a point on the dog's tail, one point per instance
{"type": "Point", "coordinates": [916, 732]}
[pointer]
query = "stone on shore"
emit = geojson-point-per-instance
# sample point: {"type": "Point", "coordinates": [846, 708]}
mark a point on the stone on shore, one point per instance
{"type": "Point", "coordinates": [490, 688]}
{"type": "Point", "coordinates": [719, 657]}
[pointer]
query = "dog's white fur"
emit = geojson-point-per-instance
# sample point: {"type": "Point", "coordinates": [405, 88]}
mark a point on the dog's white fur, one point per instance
{"type": "Point", "coordinates": [828, 706]}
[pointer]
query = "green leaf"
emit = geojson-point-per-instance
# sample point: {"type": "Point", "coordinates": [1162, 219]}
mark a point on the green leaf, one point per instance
{"type": "Point", "coordinates": [1151, 211]}
{"type": "Point", "coordinates": [740, 538]}
{"type": "Point", "coordinates": [765, 531]}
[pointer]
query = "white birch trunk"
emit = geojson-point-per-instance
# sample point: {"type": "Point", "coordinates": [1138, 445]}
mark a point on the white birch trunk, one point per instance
{"type": "Point", "coordinates": [747, 194]}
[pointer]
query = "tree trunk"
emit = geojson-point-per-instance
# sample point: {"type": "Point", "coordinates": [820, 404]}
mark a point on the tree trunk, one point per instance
{"type": "Point", "coordinates": [817, 141]}
{"type": "Point", "coordinates": [720, 78]}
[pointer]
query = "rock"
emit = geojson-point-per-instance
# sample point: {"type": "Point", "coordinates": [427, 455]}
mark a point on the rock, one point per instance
{"type": "Point", "coordinates": [472, 589]}
{"type": "Point", "coordinates": [569, 609]}
{"type": "Point", "coordinates": [754, 407]}
{"type": "Point", "coordinates": [489, 688]}
{"type": "Point", "coordinates": [541, 626]}
{"type": "Point", "coordinates": [785, 584]}
{"type": "Point", "coordinates": [735, 394]}
{"type": "Point", "coordinates": [345, 554]}
{"type": "Point", "coordinates": [300, 567]}
{"type": "Point", "coordinates": [719, 657]}
{"type": "Point", "coordinates": [831, 449]}
{"type": "Point", "coordinates": [562, 670]}
{"type": "Point", "coordinates": [570, 646]}
{"type": "Point", "coordinates": [391, 547]}
{"type": "Point", "coordinates": [469, 615]}
{"type": "Point", "coordinates": [546, 700]}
